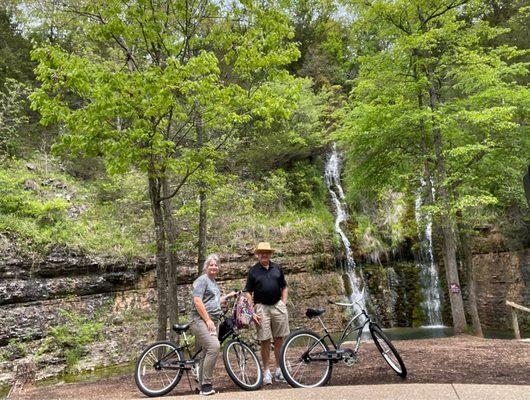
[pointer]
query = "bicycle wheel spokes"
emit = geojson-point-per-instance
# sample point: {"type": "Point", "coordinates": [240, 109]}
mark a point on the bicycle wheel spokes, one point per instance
{"type": "Point", "coordinates": [303, 359]}
{"type": "Point", "coordinates": [242, 365]}
{"type": "Point", "coordinates": [388, 351]}
{"type": "Point", "coordinates": [156, 371]}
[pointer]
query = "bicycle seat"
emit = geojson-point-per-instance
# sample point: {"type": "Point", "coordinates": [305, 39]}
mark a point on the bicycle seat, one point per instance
{"type": "Point", "coordinates": [314, 312]}
{"type": "Point", "coordinates": [181, 328]}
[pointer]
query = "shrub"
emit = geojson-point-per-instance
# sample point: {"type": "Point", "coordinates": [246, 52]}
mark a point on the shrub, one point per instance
{"type": "Point", "coordinates": [75, 335]}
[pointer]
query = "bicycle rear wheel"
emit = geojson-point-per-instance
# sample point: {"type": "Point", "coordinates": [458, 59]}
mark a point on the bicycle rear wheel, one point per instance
{"type": "Point", "coordinates": [156, 373]}
{"type": "Point", "coordinates": [302, 360]}
{"type": "Point", "coordinates": [388, 351]}
{"type": "Point", "coordinates": [242, 365]}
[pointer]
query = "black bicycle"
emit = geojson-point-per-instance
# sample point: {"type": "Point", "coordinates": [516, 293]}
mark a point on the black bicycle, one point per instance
{"type": "Point", "coordinates": [161, 366]}
{"type": "Point", "coordinates": [307, 361]}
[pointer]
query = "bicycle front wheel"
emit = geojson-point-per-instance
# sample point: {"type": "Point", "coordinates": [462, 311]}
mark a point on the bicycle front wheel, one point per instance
{"type": "Point", "coordinates": [388, 351]}
{"type": "Point", "coordinates": [157, 371]}
{"type": "Point", "coordinates": [303, 360]}
{"type": "Point", "coordinates": [242, 365]}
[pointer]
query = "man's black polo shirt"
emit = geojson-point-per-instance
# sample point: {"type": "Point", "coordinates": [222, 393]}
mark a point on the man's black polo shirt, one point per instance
{"type": "Point", "coordinates": [265, 284]}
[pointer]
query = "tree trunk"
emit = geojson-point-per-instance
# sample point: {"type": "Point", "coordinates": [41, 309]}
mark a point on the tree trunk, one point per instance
{"type": "Point", "coordinates": [172, 271]}
{"type": "Point", "coordinates": [468, 264]}
{"type": "Point", "coordinates": [203, 205]}
{"type": "Point", "coordinates": [446, 220]}
{"type": "Point", "coordinates": [161, 273]}
{"type": "Point", "coordinates": [203, 210]}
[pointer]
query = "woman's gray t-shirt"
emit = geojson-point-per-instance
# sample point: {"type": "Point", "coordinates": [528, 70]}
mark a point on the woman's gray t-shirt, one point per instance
{"type": "Point", "coordinates": [210, 294]}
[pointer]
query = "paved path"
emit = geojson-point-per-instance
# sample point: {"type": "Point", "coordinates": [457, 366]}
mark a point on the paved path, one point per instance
{"type": "Point", "coordinates": [379, 392]}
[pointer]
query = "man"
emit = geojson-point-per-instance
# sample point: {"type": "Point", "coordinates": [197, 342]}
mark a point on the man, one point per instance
{"type": "Point", "coordinates": [267, 288]}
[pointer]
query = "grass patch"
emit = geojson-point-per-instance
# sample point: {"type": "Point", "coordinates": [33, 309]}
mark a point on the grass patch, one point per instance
{"type": "Point", "coordinates": [75, 335]}
{"type": "Point", "coordinates": [44, 207]}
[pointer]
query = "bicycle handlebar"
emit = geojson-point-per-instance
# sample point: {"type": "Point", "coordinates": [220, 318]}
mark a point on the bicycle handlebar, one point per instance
{"type": "Point", "coordinates": [356, 301]}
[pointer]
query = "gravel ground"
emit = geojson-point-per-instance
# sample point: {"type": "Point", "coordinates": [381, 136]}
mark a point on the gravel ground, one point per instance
{"type": "Point", "coordinates": [462, 359]}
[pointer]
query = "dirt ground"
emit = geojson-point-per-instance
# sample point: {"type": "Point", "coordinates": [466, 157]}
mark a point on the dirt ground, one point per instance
{"type": "Point", "coordinates": [462, 359]}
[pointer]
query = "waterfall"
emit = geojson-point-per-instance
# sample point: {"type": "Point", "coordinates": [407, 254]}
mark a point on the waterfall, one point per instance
{"type": "Point", "coordinates": [429, 279]}
{"type": "Point", "coordinates": [332, 179]}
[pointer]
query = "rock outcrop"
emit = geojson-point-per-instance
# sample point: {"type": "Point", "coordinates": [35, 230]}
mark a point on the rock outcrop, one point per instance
{"type": "Point", "coordinates": [36, 294]}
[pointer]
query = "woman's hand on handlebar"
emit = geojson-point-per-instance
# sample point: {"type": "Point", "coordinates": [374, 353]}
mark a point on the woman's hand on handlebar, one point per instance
{"type": "Point", "coordinates": [227, 296]}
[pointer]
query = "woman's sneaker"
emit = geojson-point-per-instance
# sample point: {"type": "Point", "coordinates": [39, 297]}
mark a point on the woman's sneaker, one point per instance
{"type": "Point", "coordinates": [278, 376]}
{"type": "Point", "coordinates": [267, 377]}
{"type": "Point", "coordinates": [207, 389]}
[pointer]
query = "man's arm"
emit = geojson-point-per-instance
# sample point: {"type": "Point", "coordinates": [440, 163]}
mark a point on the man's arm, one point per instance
{"type": "Point", "coordinates": [283, 285]}
{"type": "Point", "coordinates": [284, 295]}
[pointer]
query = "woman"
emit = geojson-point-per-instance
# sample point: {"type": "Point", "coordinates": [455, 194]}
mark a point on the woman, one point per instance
{"type": "Point", "coordinates": [205, 314]}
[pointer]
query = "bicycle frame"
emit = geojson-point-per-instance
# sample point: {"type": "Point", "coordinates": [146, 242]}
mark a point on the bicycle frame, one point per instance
{"type": "Point", "coordinates": [337, 353]}
{"type": "Point", "coordinates": [184, 364]}
{"type": "Point", "coordinates": [186, 348]}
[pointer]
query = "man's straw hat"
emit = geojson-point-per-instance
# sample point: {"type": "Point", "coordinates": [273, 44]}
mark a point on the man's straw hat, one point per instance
{"type": "Point", "coordinates": [263, 247]}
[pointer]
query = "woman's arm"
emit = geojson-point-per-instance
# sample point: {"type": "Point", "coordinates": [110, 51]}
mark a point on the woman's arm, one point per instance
{"type": "Point", "coordinates": [199, 305]}
{"type": "Point", "coordinates": [227, 296]}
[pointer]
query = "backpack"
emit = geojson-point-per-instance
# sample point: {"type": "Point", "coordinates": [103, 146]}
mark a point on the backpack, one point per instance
{"type": "Point", "coordinates": [226, 329]}
{"type": "Point", "coordinates": [243, 312]}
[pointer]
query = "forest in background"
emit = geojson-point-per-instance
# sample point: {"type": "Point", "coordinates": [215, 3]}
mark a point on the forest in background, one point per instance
{"type": "Point", "coordinates": [143, 128]}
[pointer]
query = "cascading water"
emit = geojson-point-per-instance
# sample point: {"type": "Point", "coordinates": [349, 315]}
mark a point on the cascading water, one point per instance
{"type": "Point", "coordinates": [429, 279]}
{"type": "Point", "coordinates": [332, 179]}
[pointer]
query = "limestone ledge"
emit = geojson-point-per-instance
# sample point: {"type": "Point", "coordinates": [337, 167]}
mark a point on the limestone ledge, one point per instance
{"type": "Point", "coordinates": [130, 319]}
{"type": "Point", "coordinates": [58, 276]}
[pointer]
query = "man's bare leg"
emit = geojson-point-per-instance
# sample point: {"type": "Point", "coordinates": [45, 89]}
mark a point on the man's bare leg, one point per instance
{"type": "Point", "coordinates": [266, 353]}
{"type": "Point", "coordinates": [277, 346]}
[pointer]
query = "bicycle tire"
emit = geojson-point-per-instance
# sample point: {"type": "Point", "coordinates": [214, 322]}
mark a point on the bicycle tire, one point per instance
{"type": "Point", "coordinates": [139, 371]}
{"type": "Point", "coordinates": [379, 337]}
{"type": "Point", "coordinates": [286, 364]}
{"type": "Point", "coordinates": [239, 352]}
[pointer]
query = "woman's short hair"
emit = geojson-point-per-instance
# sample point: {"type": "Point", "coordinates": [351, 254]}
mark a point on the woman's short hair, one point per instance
{"type": "Point", "coordinates": [210, 258]}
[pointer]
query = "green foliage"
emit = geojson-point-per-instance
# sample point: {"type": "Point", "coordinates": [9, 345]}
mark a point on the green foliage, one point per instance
{"type": "Point", "coordinates": [435, 100]}
{"type": "Point", "coordinates": [287, 141]}
{"type": "Point", "coordinates": [348, 290]}
{"type": "Point", "coordinates": [44, 207]}
{"type": "Point", "coordinates": [44, 347]}
{"type": "Point", "coordinates": [12, 113]}
{"type": "Point", "coordinates": [20, 203]}
{"type": "Point", "coordinates": [15, 63]}
{"type": "Point", "coordinates": [4, 354]}
{"type": "Point", "coordinates": [252, 217]}
{"type": "Point", "coordinates": [75, 335]}
{"type": "Point", "coordinates": [161, 92]}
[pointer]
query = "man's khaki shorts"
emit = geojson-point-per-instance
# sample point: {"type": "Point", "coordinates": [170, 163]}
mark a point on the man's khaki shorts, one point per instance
{"type": "Point", "coordinates": [274, 321]}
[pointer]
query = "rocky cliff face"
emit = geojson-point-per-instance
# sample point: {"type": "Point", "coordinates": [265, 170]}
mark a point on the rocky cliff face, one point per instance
{"type": "Point", "coordinates": [501, 276]}
{"type": "Point", "coordinates": [36, 295]}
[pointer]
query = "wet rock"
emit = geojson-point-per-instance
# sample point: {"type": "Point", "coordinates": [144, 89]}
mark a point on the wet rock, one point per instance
{"type": "Point", "coordinates": [30, 184]}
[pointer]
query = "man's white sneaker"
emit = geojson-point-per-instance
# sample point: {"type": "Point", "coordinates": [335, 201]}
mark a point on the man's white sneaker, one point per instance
{"type": "Point", "coordinates": [278, 376]}
{"type": "Point", "coordinates": [267, 377]}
